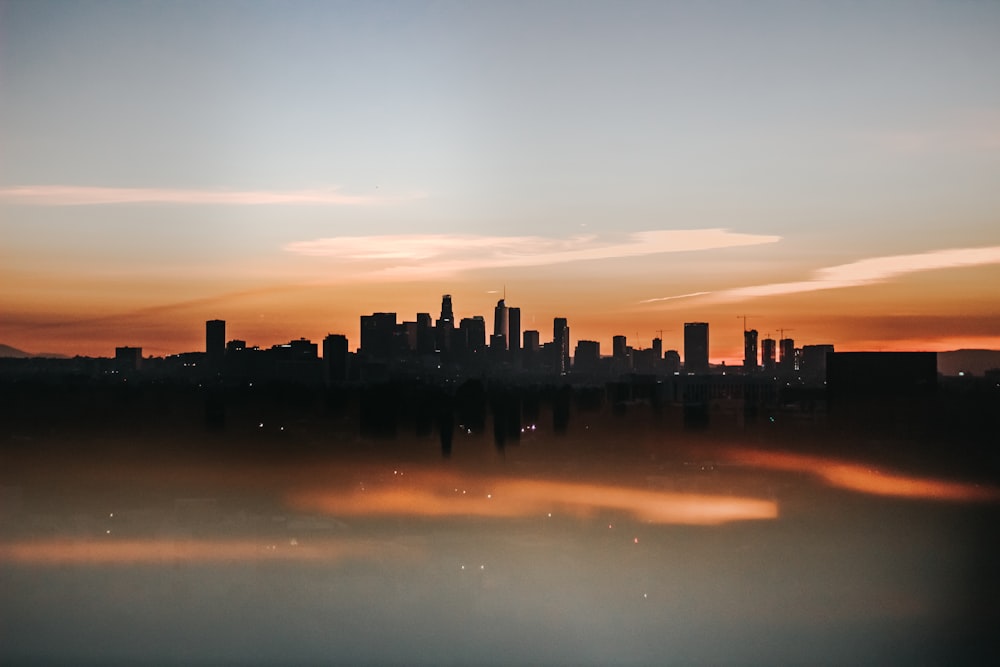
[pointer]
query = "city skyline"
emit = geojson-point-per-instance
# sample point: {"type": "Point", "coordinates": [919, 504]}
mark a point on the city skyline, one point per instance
{"type": "Point", "coordinates": [825, 171]}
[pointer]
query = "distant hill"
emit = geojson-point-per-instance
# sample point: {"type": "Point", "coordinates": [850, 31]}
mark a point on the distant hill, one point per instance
{"type": "Point", "coordinates": [975, 362]}
{"type": "Point", "coordinates": [6, 351]}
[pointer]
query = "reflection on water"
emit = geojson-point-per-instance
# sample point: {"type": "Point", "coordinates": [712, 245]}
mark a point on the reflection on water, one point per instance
{"type": "Point", "coordinates": [430, 494]}
{"type": "Point", "coordinates": [548, 554]}
{"type": "Point", "coordinates": [865, 478]}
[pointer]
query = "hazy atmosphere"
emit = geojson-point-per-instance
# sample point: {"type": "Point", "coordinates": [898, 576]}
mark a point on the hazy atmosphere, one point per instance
{"type": "Point", "coordinates": [822, 167]}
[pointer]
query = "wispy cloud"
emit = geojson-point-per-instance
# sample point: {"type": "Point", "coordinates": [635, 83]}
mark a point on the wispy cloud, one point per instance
{"type": "Point", "coordinates": [672, 298]}
{"type": "Point", "coordinates": [425, 254]}
{"type": "Point", "coordinates": [862, 272]}
{"type": "Point", "coordinates": [73, 195]}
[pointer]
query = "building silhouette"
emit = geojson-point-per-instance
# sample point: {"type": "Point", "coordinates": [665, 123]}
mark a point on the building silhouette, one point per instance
{"type": "Point", "coordinates": [445, 325]}
{"type": "Point", "coordinates": [750, 351]}
{"type": "Point", "coordinates": [560, 345]}
{"type": "Point", "coordinates": [378, 335]}
{"type": "Point", "coordinates": [587, 356]}
{"type": "Point", "coordinates": [767, 357]}
{"type": "Point", "coordinates": [514, 332]}
{"type": "Point", "coordinates": [215, 343]}
{"type": "Point", "coordinates": [786, 363]}
{"type": "Point", "coordinates": [695, 347]}
{"type": "Point", "coordinates": [336, 358]}
{"type": "Point", "coordinates": [500, 327]}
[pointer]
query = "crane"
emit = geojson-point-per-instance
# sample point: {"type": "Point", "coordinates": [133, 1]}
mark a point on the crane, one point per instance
{"type": "Point", "coordinates": [744, 318]}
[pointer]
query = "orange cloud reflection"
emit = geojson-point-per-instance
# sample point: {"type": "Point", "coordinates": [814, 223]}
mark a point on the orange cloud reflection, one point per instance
{"type": "Point", "coordinates": [439, 495]}
{"type": "Point", "coordinates": [864, 479]}
{"type": "Point", "coordinates": [136, 551]}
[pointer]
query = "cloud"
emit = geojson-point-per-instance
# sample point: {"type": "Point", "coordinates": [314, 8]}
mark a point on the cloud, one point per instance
{"type": "Point", "coordinates": [855, 274]}
{"type": "Point", "coordinates": [423, 254]}
{"type": "Point", "coordinates": [73, 195]}
{"type": "Point", "coordinates": [671, 298]}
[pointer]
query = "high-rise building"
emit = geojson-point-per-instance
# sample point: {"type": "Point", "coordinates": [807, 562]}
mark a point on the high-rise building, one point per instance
{"type": "Point", "coordinates": [215, 343]}
{"type": "Point", "coordinates": [813, 362]}
{"type": "Point", "coordinates": [786, 346]}
{"type": "Point", "coordinates": [695, 347]}
{"type": "Point", "coordinates": [378, 334]}
{"type": "Point", "coordinates": [560, 344]}
{"type": "Point", "coordinates": [474, 333]}
{"type": "Point", "coordinates": [657, 352]}
{"type": "Point", "coordinates": [335, 357]}
{"type": "Point", "coordinates": [767, 350]}
{"type": "Point", "coordinates": [425, 333]}
{"type": "Point", "coordinates": [530, 349]}
{"type": "Point", "coordinates": [587, 357]}
{"type": "Point", "coordinates": [671, 362]}
{"type": "Point", "coordinates": [500, 326]}
{"type": "Point", "coordinates": [750, 351]}
{"type": "Point", "coordinates": [445, 325]}
{"type": "Point", "coordinates": [514, 331]}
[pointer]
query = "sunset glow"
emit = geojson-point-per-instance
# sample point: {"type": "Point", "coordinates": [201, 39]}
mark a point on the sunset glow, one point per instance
{"type": "Point", "coordinates": [428, 494]}
{"type": "Point", "coordinates": [866, 479]}
{"type": "Point", "coordinates": [648, 167]}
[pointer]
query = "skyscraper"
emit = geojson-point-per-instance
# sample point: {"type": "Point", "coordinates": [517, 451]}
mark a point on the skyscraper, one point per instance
{"type": "Point", "coordinates": [560, 344]}
{"type": "Point", "coordinates": [750, 351]}
{"type": "Point", "coordinates": [215, 343]}
{"type": "Point", "coordinates": [786, 346]}
{"type": "Point", "coordinates": [696, 347]}
{"type": "Point", "coordinates": [335, 358]}
{"type": "Point", "coordinates": [767, 349]}
{"type": "Point", "coordinates": [514, 331]}
{"type": "Point", "coordinates": [378, 333]}
{"type": "Point", "coordinates": [445, 325]}
{"type": "Point", "coordinates": [500, 325]}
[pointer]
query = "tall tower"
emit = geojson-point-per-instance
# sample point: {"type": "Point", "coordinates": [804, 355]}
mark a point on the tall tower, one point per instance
{"type": "Point", "coordinates": [786, 346]}
{"type": "Point", "coordinates": [560, 343]}
{"type": "Point", "coordinates": [514, 331]}
{"type": "Point", "coordinates": [767, 348]}
{"type": "Point", "coordinates": [445, 325]}
{"type": "Point", "coordinates": [750, 351]}
{"type": "Point", "coordinates": [501, 327]}
{"type": "Point", "coordinates": [696, 347]}
{"type": "Point", "coordinates": [215, 343]}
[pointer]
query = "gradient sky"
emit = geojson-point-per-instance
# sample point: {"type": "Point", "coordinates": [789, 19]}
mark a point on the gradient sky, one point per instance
{"type": "Point", "coordinates": [831, 169]}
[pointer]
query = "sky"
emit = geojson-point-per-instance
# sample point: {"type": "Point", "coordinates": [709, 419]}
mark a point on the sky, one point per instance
{"type": "Point", "coordinates": [828, 170]}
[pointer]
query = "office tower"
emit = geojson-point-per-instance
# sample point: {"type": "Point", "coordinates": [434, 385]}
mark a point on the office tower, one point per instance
{"type": "Point", "coordinates": [473, 333]}
{"type": "Point", "coordinates": [671, 362]}
{"type": "Point", "coordinates": [500, 326]}
{"type": "Point", "coordinates": [786, 346]}
{"type": "Point", "coordinates": [767, 349]}
{"type": "Point", "coordinates": [425, 333]}
{"type": "Point", "coordinates": [530, 349]}
{"type": "Point", "coordinates": [695, 347]}
{"type": "Point", "coordinates": [587, 357]}
{"type": "Point", "coordinates": [618, 344]}
{"type": "Point", "coordinates": [447, 315]}
{"type": "Point", "coordinates": [378, 334]}
{"type": "Point", "coordinates": [560, 344]}
{"type": "Point", "coordinates": [514, 331]}
{"type": "Point", "coordinates": [750, 351]}
{"type": "Point", "coordinates": [445, 325]}
{"type": "Point", "coordinates": [335, 358]}
{"type": "Point", "coordinates": [215, 343]}
{"type": "Point", "coordinates": [813, 363]}
{"type": "Point", "coordinates": [657, 352]}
